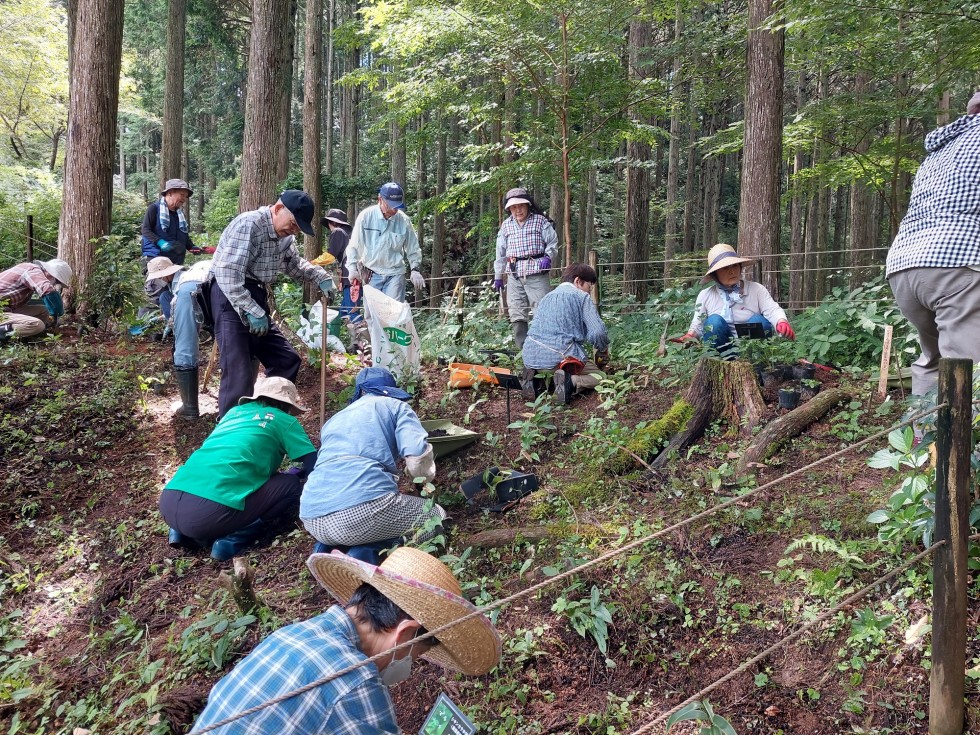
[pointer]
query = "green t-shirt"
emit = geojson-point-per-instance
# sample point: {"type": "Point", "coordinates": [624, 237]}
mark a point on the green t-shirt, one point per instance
{"type": "Point", "coordinates": [241, 454]}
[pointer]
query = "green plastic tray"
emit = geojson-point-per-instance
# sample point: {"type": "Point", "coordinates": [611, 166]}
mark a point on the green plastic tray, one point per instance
{"type": "Point", "coordinates": [456, 437]}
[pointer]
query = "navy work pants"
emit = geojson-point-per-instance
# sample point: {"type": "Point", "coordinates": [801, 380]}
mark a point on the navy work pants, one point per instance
{"type": "Point", "coordinates": [237, 346]}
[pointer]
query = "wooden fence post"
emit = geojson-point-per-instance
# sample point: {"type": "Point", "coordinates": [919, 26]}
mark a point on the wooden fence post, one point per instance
{"type": "Point", "coordinates": [954, 445]}
{"type": "Point", "coordinates": [30, 238]}
{"type": "Point", "coordinates": [594, 262]}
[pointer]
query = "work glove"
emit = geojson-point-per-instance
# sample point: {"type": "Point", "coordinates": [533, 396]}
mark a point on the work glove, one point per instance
{"type": "Point", "coordinates": [784, 329]}
{"type": "Point", "coordinates": [194, 251]}
{"type": "Point", "coordinates": [498, 284]}
{"type": "Point", "coordinates": [355, 290]}
{"type": "Point", "coordinates": [417, 280]}
{"type": "Point", "coordinates": [208, 249]}
{"type": "Point", "coordinates": [258, 325]}
{"type": "Point", "coordinates": [545, 263]}
{"type": "Point", "coordinates": [53, 303]}
{"type": "Point", "coordinates": [601, 358]}
{"type": "Point", "coordinates": [164, 245]}
{"type": "Point", "coordinates": [327, 288]}
{"type": "Point", "coordinates": [683, 338]}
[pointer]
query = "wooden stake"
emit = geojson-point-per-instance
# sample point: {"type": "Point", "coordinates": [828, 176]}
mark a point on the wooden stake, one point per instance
{"type": "Point", "coordinates": [212, 361]}
{"type": "Point", "coordinates": [594, 262]}
{"type": "Point", "coordinates": [323, 360]}
{"type": "Point", "coordinates": [886, 356]}
{"type": "Point", "coordinates": [954, 444]}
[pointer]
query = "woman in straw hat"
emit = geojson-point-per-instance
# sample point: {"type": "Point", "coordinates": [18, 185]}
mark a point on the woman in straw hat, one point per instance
{"type": "Point", "coordinates": [352, 497]}
{"type": "Point", "coordinates": [731, 300]}
{"type": "Point", "coordinates": [381, 607]}
{"type": "Point", "coordinates": [230, 490]}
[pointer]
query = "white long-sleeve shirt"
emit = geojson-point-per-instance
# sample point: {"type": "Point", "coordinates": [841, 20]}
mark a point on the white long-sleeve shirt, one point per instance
{"type": "Point", "coordinates": [755, 300]}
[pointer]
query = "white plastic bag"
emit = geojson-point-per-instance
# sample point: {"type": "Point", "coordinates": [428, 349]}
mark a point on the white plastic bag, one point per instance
{"type": "Point", "coordinates": [311, 329]}
{"type": "Point", "coordinates": [394, 342]}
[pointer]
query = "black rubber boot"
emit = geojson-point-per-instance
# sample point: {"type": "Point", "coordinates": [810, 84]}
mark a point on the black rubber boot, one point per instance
{"type": "Point", "coordinates": [520, 333]}
{"type": "Point", "coordinates": [231, 545]}
{"type": "Point", "coordinates": [187, 385]}
{"type": "Point", "coordinates": [6, 331]}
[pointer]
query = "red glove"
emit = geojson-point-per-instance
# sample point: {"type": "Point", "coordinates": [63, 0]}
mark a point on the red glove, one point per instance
{"type": "Point", "coordinates": [209, 249]}
{"type": "Point", "coordinates": [194, 251]}
{"type": "Point", "coordinates": [784, 329]}
{"type": "Point", "coordinates": [355, 290]}
{"type": "Point", "coordinates": [683, 338]}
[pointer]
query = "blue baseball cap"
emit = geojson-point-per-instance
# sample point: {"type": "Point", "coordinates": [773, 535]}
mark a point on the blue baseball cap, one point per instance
{"type": "Point", "coordinates": [301, 207]}
{"type": "Point", "coordinates": [393, 195]}
{"type": "Point", "coordinates": [378, 382]}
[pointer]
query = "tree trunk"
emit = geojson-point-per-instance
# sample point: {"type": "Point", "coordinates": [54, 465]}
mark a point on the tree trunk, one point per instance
{"type": "Point", "coordinates": [399, 164]}
{"type": "Point", "coordinates": [122, 159]}
{"type": "Point", "coordinates": [713, 171]}
{"type": "Point", "coordinates": [439, 224]}
{"type": "Point", "coordinates": [312, 62]}
{"type": "Point", "coordinates": [636, 234]}
{"type": "Point", "coordinates": [286, 101]}
{"type": "Point", "coordinates": [267, 68]}
{"type": "Point", "coordinates": [422, 179]}
{"type": "Point", "coordinates": [691, 183]}
{"type": "Point", "coordinates": [328, 92]}
{"type": "Point", "coordinates": [91, 144]}
{"type": "Point", "coordinates": [758, 211]}
{"type": "Point", "coordinates": [861, 224]}
{"type": "Point", "coordinates": [173, 92]}
{"type": "Point", "coordinates": [674, 153]}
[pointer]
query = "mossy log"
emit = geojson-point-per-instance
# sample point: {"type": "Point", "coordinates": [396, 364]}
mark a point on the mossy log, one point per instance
{"type": "Point", "coordinates": [719, 391]}
{"type": "Point", "coordinates": [789, 425]}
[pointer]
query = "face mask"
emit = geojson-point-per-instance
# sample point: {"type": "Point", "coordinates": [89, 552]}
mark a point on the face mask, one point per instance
{"type": "Point", "coordinates": [398, 671]}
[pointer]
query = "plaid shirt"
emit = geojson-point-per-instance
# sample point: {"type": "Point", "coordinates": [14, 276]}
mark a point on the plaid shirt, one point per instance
{"type": "Point", "coordinates": [250, 248]}
{"type": "Point", "coordinates": [564, 320]}
{"type": "Point", "coordinates": [528, 243]}
{"type": "Point", "coordinates": [356, 703]}
{"type": "Point", "coordinates": [19, 282]}
{"type": "Point", "coordinates": [941, 228]}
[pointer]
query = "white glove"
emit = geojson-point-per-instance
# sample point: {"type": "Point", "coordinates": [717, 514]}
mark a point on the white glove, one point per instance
{"type": "Point", "coordinates": [417, 280]}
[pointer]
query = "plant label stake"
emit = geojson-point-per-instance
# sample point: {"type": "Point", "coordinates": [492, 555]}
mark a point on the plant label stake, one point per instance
{"type": "Point", "coordinates": [323, 359]}
{"type": "Point", "coordinates": [886, 356]}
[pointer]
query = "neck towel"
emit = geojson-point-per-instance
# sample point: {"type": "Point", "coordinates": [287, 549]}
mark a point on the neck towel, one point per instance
{"type": "Point", "coordinates": [165, 217]}
{"type": "Point", "coordinates": [733, 295]}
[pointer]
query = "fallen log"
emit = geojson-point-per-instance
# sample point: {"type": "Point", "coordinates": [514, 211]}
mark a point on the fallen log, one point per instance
{"type": "Point", "coordinates": [506, 536]}
{"type": "Point", "coordinates": [719, 391]}
{"type": "Point", "coordinates": [789, 425]}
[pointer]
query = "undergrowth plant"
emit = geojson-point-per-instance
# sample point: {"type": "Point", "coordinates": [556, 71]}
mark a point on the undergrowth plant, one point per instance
{"type": "Point", "coordinates": [589, 617]}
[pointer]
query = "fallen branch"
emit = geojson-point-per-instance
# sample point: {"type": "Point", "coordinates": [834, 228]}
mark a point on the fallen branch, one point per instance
{"type": "Point", "coordinates": [506, 536]}
{"type": "Point", "coordinates": [789, 425]}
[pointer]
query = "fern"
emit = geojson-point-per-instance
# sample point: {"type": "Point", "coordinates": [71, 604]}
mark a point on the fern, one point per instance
{"type": "Point", "coordinates": [822, 545]}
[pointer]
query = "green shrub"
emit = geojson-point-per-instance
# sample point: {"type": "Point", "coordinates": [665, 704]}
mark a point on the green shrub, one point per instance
{"type": "Point", "coordinates": [222, 206]}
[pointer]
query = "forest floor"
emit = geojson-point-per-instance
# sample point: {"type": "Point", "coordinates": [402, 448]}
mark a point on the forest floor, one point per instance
{"type": "Point", "coordinates": [104, 627]}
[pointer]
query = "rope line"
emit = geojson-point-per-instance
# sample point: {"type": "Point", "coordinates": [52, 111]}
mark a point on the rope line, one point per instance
{"type": "Point", "coordinates": [788, 639]}
{"type": "Point", "coordinates": [533, 589]}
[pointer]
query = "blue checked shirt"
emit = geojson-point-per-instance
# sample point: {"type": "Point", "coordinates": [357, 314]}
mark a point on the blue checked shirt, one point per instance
{"type": "Point", "coordinates": [941, 228]}
{"type": "Point", "coordinates": [250, 248]}
{"type": "Point", "coordinates": [356, 703]}
{"type": "Point", "coordinates": [563, 320]}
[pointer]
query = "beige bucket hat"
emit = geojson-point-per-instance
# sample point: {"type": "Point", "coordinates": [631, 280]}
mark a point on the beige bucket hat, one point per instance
{"type": "Point", "coordinates": [722, 256]}
{"type": "Point", "coordinates": [279, 389]}
{"type": "Point", "coordinates": [160, 267]}
{"type": "Point", "coordinates": [176, 184]}
{"type": "Point", "coordinates": [426, 589]}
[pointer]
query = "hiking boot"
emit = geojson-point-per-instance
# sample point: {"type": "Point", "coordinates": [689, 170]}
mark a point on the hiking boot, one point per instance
{"type": "Point", "coordinates": [527, 384]}
{"type": "Point", "coordinates": [233, 544]}
{"type": "Point", "coordinates": [563, 387]}
{"type": "Point", "coordinates": [177, 540]}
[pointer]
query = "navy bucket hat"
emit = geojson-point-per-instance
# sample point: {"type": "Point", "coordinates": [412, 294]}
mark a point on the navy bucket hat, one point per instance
{"type": "Point", "coordinates": [378, 382]}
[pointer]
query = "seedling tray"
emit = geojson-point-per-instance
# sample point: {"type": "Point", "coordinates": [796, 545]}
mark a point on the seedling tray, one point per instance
{"type": "Point", "coordinates": [455, 438]}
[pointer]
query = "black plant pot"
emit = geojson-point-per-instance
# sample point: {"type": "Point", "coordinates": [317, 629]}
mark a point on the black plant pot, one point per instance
{"type": "Point", "coordinates": [770, 377]}
{"type": "Point", "coordinates": [807, 392]}
{"type": "Point", "coordinates": [804, 372]}
{"type": "Point", "coordinates": [789, 398]}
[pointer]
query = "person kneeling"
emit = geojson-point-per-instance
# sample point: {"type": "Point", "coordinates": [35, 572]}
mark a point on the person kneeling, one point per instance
{"type": "Point", "coordinates": [352, 496]}
{"type": "Point", "coordinates": [731, 301]}
{"type": "Point", "coordinates": [565, 320]}
{"type": "Point", "coordinates": [229, 491]}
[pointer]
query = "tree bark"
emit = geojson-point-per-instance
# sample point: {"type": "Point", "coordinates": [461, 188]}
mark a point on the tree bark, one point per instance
{"type": "Point", "coordinates": [173, 92]}
{"type": "Point", "coordinates": [312, 246]}
{"type": "Point", "coordinates": [674, 152]}
{"type": "Point", "coordinates": [399, 164]}
{"type": "Point", "coordinates": [862, 237]}
{"type": "Point", "coordinates": [758, 211]}
{"type": "Point", "coordinates": [328, 92]}
{"type": "Point", "coordinates": [691, 182]}
{"type": "Point", "coordinates": [267, 61]}
{"type": "Point", "coordinates": [91, 144]}
{"type": "Point", "coordinates": [286, 101]}
{"type": "Point", "coordinates": [439, 224]}
{"type": "Point", "coordinates": [636, 234]}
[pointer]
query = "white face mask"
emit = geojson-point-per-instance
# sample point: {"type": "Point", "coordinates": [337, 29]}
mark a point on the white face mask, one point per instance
{"type": "Point", "coordinates": [398, 670]}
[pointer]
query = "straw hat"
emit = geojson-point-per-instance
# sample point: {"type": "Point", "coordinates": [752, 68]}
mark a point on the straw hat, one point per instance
{"type": "Point", "coordinates": [425, 589]}
{"type": "Point", "coordinates": [57, 268]}
{"type": "Point", "coordinates": [279, 389]}
{"type": "Point", "coordinates": [160, 267]}
{"type": "Point", "coordinates": [722, 256]}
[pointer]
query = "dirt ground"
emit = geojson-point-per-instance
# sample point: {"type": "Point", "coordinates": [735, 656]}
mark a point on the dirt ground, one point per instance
{"type": "Point", "coordinates": [87, 564]}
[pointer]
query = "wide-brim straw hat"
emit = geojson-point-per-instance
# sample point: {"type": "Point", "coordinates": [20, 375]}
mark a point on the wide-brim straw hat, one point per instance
{"type": "Point", "coordinates": [160, 267]}
{"type": "Point", "coordinates": [279, 389]}
{"type": "Point", "coordinates": [425, 589]}
{"type": "Point", "coordinates": [176, 184]}
{"type": "Point", "coordinates": [722, 256]}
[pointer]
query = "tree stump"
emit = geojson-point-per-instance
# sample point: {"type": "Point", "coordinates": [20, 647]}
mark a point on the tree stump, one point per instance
{"type": "Point", "coordinates": [789, 425]}
{"type": "Point", "coordinates": [719, 391]}
{"type": "Point", "coordinates": [239, 583]}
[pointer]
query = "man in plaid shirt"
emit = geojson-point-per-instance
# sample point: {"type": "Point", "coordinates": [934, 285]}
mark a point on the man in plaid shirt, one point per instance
{"type": "Point", "coordinates": [255, 248]}
{"type": "Point", "coordinates": [18, 315]}
{"type": "Point", "coordinates": [933, 266]}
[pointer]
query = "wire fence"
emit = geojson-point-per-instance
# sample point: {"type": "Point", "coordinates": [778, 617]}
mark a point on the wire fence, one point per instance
{"type": "Point", "coordinates": [609, 556]}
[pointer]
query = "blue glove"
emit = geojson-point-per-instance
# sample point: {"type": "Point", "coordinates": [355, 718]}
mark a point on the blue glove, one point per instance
{"type": "Point", "coordinates": [545, 263]}
{"type": "Point", "coordinates": [164, 246]}
{"type": "Point", "coordinates": [327, 288]}
{"type": "Point", "coordinates": [258, 325]}
{"type": "Point", "coordinates": [53, 303]}
{"type": "Point", "coordinates": [498, 284]}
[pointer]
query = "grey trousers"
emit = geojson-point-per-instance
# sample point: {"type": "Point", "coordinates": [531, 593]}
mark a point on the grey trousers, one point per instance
{"type": "Point", "coordinates": [943, 304]}
{"type": "Point", "coordinates": [523, 294]}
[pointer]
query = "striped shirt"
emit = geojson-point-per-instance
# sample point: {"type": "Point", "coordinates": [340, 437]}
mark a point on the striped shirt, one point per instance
{"type": "Point", "coordinates": [19, 282]}
{"type": "Point", "coordinates": [249, 248]}
{"type": "Point", "coordinates": [564, 320]}
{"type": "Point", "coordinates": [941, 228]}
{"type": "Point", "coordinates": [356, 703]}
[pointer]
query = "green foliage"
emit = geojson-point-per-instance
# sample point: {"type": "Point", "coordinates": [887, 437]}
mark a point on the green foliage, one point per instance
{"type": "Point", "coordinates": [911, 508]}
{"type": "Point", "coordinates": [703, 712]}
{"type": "Point", "coordinates": [589, 617]}
{"type": "Point", "coordinates": [212, 641]}
{"type": "Point", "coordinates": [26, 191]}
{"type": "Point", "coordinates": [114, 289]}
{"type": "Point", "coordinates": [222, 206]}
{"type": "Point", "coordinates": [536, 428]}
